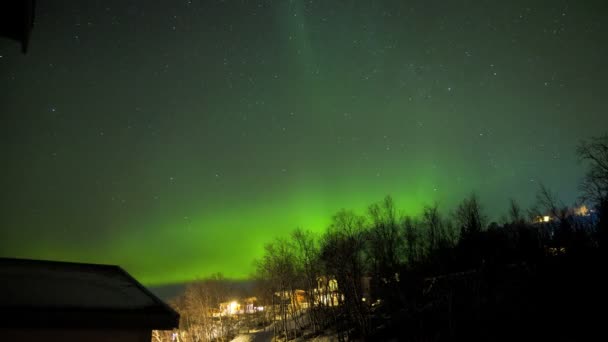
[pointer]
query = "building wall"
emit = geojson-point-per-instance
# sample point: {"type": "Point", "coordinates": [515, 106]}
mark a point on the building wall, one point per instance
{"type": "Point", "coordinates": [66, 335]}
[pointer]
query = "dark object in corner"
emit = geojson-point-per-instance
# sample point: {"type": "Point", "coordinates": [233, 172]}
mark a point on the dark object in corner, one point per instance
{"type": "Point", "coordinates": [17, 20]}
{"type": "Point", "coordinates": [63, 301]}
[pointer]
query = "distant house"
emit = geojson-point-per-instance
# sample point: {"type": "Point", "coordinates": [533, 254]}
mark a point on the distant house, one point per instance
{"type": "Point", "coordinates": [296, 297]}
{"type": "Point", "coordinates": [326, 292]}
{"type": "Point", "coordinates": [61, 301]}
{"type": "Point", "coordinates": [245, 306]}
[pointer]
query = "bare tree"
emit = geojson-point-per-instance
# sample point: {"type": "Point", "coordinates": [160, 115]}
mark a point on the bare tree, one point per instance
{"type": "Point", "coordinates": [279, 267]}
{"type": "Point", "coordinates": [450, 234]}
{"type": "Point", "coordinates": [342, 254]}
{"type": "Point", "coordinates": [385, 243]}
{"type": "Point", "coordinates": [515, 212]}
{"type": "Point", "coordinates": [412, 240]}
{"type": "Point", "coordinates": [549, 203]}
{"type": "Point", "coordinates": [307, 257]}
{"type": "Point", "coordinates": [197, 306]}
{"type": "Point", "coordinates": [469, 217]}
{"type": "Point", "coordinates": [431, 220]}
{"type": "Point", "coordinates": [595, 184]}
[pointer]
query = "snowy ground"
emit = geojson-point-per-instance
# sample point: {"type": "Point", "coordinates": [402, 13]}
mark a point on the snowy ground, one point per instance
{"type": "Point", "coordinates": [267, 336]}
{"type": "Point", "coordinates": [243, 338]}
{"type": "Point", "coordinates": [263, 335]}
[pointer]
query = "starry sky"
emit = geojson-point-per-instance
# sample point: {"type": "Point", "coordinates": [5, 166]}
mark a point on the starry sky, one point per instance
{"type": "Point", "coordinates": [175, 138]}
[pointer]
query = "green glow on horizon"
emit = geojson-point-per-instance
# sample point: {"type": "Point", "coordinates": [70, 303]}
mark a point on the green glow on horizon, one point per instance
{"type": "Point", "coordinates": [237, 236]}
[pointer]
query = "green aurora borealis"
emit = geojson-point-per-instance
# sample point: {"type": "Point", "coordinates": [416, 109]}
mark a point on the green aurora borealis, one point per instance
{"type": "Point", "coordinates": [175, 138]}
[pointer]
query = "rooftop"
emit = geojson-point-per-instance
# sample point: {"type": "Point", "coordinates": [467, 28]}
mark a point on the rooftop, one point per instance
{"type": "Point", "coordinates": [36, 293]}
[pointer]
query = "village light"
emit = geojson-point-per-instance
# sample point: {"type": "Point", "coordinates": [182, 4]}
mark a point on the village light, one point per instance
{"type": "Point", "coordinates": [232, 307]}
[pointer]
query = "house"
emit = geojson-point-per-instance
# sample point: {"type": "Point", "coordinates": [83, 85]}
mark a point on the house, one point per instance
{"type": "Point", "coordinates": [64, 301]}
{"type": "Point", "coordinates": [245, 306]}
{"type": "Point", "coordinates": [326, 292]}
{"type": "Point", "coordinates": [296, 297]}
{"type": "Point", "coordinates": [17, 20]}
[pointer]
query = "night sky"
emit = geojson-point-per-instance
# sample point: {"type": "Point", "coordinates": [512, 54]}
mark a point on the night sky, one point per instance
{"type": "Point", "coordinates": [175, 138]}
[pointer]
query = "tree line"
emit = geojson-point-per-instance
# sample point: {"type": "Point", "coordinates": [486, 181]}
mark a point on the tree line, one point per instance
{"type": "Point", "coordinates": [438, 275]}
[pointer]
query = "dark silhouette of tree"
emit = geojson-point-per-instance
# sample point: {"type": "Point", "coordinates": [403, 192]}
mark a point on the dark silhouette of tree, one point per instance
{"type": "Point", "coordinates": [412, 240]}
{"type": "Point", "coordinates": [342, 253]}
{"type": "Point", "coordinates": [549, 203]}
{"type": "Point", "coordinates": [279, 266]}
{"type": "Point", "coordinates": [197, 305]}
{"type": "Point", "coordinates": [385, 248]}
{"type": "Point", "coordinates": [560, 227]}
{"type": "Point", "coordinates": [469, 217]}
{"type": "Point", "coordinates": [450, 234]}
{"type": "Point", "coordinates": [431, 220]}
{"type": "Point", "coordinates": [515, 212]}
{"type": "Point", "coordinates": [308, 264]}
{"type": "Point", "coordinates": [595, 183]}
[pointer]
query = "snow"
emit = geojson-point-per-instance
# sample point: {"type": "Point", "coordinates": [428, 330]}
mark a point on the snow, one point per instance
{"type": "Point", "coordinates": [243, 338]}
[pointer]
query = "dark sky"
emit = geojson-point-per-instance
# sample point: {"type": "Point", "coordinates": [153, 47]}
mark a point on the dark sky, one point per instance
{"type": "Point", "coordinates": [175, 138]}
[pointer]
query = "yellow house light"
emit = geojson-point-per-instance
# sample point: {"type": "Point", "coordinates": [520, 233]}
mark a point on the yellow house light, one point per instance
{"type": "Point", "coordinates": [232, 307]}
